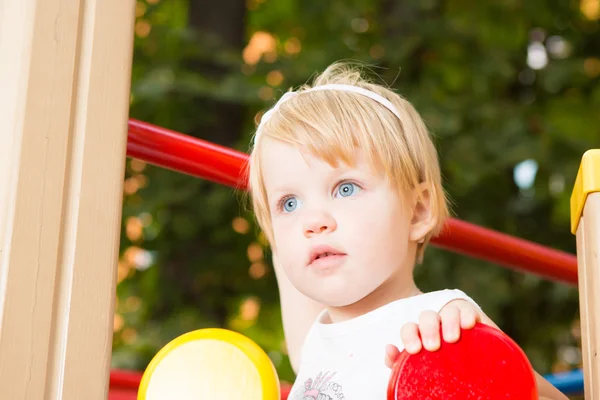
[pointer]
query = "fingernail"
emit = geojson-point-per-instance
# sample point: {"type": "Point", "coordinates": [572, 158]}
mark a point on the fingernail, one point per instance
{"type": "Point", "coordinates": [451, 337]}
{"type": "Point", "coordinates": [413, 347]}
{"type": "Point", "coordinates": [431, 344]}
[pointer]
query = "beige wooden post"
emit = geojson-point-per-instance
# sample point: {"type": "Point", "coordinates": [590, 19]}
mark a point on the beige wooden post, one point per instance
{"type": "Point", "coordinates": [64, 96]}
{"type": "Point", "coordinates": [585, 224]}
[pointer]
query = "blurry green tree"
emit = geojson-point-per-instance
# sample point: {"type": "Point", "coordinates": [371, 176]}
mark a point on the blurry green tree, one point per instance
{"type": "Point", "coordinates": [510, 90]}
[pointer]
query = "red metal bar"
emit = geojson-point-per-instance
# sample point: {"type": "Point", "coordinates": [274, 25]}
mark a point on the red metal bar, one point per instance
{"type": "Point", "coordinates": [185, 154]}
{"type": "Point", "coordinates": [518, 254]}
{"type": "Point", "coordinates": [125, 379]}
{"type": "Point", "coordinates": [199, 158]}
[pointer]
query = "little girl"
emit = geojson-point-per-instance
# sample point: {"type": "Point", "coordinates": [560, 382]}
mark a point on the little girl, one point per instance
{"type": "Point", "coordinates": [346, 186]}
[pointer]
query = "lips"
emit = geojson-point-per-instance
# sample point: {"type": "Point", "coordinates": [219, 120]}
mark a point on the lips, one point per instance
{"type": "Point", "coordinates": [323, 252]}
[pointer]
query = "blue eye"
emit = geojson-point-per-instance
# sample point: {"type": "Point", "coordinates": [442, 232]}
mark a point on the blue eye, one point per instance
{"type": "Point", "coordinates": [347, 189]}
{"type": "Point", "coordinates": [289, 204]}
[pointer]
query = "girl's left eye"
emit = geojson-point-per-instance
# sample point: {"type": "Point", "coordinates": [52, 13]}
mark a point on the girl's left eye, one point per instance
{"type": "Point", "coordinates": [347, 189]}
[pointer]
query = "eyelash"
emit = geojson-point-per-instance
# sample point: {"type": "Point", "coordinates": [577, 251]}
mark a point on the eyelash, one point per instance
{"type": "Point", "coordinates": [282, 201]}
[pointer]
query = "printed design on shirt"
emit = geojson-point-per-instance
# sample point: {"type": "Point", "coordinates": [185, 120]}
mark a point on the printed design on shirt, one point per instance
{"type": "Point", "coordinates": [323, 387]}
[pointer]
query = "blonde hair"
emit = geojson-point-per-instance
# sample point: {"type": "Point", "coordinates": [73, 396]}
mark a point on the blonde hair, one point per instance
{"type": "Point", "coordinates": [330, 124]}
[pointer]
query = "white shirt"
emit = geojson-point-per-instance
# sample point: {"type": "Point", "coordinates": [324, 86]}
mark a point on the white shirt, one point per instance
{"type": "Point", "coordinates": [345, 360]}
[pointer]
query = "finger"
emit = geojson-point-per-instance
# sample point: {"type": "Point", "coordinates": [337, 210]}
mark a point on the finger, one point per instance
{"type": "Point", "coordinates": [391, 354]}
{"type": "Point", "coordinates": [451, 324]}
{"type": "Point", "coordinates": [468, 317]}
{"type": "Point", "coordinates": [410, 338]}
{"type": "Point", "coordinates": [429, 328]}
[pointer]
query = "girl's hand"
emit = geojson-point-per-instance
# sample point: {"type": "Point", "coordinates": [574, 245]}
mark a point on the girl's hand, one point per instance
{"type": "Point", "coordinates": [456, 315]}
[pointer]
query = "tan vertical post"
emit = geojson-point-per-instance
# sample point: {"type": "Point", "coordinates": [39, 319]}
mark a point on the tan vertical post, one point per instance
{"type": "Point", "coordinates": [65, 70]}
{"type": "Point", "coordinates": [585, 224]}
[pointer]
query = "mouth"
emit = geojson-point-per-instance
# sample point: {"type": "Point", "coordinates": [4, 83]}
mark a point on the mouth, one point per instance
{"type": "Point", "coordinates": [322, 253]}
{"type": "Point", "coordinates": [326, 254]}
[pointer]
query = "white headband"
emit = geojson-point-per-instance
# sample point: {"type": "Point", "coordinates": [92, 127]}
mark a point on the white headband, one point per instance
{"type": "Point", "coordinates": [334, 86]}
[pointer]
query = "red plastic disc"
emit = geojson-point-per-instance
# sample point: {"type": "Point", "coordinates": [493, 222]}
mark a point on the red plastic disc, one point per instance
{"type": "Point", "coordinates": [483, 364]}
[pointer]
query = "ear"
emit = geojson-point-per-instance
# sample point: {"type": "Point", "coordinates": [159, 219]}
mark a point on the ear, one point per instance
{"type": "Point", "coordinates": [423, 220]}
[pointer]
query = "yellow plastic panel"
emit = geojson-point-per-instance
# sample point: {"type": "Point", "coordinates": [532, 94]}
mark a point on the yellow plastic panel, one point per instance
{"type": "Point", "coordinates": [587, 181]}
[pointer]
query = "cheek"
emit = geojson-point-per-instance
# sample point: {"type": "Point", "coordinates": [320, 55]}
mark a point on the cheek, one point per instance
{"type": "Point", "coordinates": [376, 215]}
{"type": "Point", "coordinates": [285, 233]}
{"type": "Point", "coordinates": [283, 225]}
{"type": "Point", "coordinates": [384, 228]}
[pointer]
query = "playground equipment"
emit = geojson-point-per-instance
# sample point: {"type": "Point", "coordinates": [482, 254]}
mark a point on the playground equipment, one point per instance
{"type": "Point", "coordinates": [65, 79]}
{"type": "Point", "coordinates": [585, 225]}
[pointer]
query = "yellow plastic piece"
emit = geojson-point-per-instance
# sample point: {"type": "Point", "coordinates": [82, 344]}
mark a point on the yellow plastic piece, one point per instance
{"type": "Point", "coordinates": [210, 364]}
{"type": "Point", "coordinates": [587, 181]}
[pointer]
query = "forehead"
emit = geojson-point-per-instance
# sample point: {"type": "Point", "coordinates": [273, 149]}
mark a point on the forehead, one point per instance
{"type": "Point", "coordinates": [277, 155]}
{"type": "Point", "coordinates": [283, 163]}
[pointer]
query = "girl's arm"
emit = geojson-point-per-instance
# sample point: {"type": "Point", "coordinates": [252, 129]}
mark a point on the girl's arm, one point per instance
{"type": "Point", "coordinates": [298, 313]}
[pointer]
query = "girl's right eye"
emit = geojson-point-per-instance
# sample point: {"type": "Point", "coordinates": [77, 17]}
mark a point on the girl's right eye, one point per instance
{"type": "Point", "coordinates": [289, 204]}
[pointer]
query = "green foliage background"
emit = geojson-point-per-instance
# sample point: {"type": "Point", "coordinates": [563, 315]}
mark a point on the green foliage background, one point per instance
{"type": "Point", "coordinates": [191, 256]}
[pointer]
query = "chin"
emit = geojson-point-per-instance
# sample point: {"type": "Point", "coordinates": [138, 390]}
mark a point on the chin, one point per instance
{"type": "Point", "coordinates": [335, 290]}
{"type": "Point", "coordinates": [336, 298]}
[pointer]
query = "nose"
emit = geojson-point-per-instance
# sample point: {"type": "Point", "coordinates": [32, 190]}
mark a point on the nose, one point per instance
{"type": "Point", "coordinates": [317, 223]}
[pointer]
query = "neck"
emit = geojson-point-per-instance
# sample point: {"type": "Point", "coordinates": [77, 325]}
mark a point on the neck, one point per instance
{"type": "Point", "coordinates": [395, 288]}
